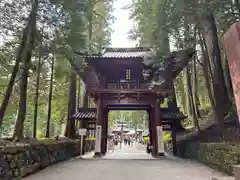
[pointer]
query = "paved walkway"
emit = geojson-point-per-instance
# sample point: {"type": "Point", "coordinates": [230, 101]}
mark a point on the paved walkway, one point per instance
{"type": "Point", "coordinates": [136, 151]}
{"type": "Point", "coordinates": [127, 163]}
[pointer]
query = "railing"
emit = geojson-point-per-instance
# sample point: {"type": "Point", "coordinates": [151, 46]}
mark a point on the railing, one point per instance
{"type": "Point", "coordinates": [126, 84]}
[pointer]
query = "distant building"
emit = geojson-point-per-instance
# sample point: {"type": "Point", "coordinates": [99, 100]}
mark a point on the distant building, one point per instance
{"type": "Point", "coordinates": [127, 127]}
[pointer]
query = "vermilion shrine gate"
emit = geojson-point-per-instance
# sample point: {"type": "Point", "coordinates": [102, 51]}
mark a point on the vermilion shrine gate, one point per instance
{"type": "Point", "coordinates": [118, 79]}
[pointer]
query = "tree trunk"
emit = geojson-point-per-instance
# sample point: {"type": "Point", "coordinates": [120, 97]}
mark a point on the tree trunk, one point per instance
{"type": "Point", "coordinates": [90, 36]}
{"type": "Point", "coordinates": [206, 72]}
{"type": "Point", "coordinates": [186, 91]}
{"type": "Point", "coordinates": [194, 79]}
{"type": "Point", "coordinates": [85, 100]}
{"type": "Point", "coordinates": [90, 23]}
{"type": "Point", "coordinates": [79, 93]}
{"type": "Point", "coordinates": [173, 97]}
{"type": "Point", "coordinates": [237, 4]}
{"type": "Point", "coordinates": [162, 39]}
{"type": "Point", "coordinates": [70, 129]}
{"type": "Point", "coordinates": [194, 88]}
{"type": "Point", "coordinates": [228, 80]}
{"type": "Point", "coordinates": [21, 50]}
{"type": "Point", "coordinates": [209, 71]}
{"type": "Point", "coordinates": [187, 83]}
{"type": "Point", "coordinates": [19, 126]}
{"type": "Point", "coordinates": [213, 46]}
{"type": "Point", "coordinates": [191, 101]}
{"type": "Point", "coordinates": [50, 100]}
{"type": "Point", "coordinates": [36, 97]}
{"type": "Point", "coordinates": [222, 100]}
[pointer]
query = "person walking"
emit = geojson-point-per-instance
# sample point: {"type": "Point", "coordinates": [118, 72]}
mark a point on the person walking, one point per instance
{"type": "Point", "coordinates": [125, 141]}
{"type": "Point", "coordinates": [111, 144]}
{"type": "Point", "coordinates": [132, 141]}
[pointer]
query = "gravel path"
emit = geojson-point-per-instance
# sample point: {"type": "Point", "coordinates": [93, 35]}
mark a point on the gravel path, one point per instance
{"type": "Point", "coordinates": [128, 163]}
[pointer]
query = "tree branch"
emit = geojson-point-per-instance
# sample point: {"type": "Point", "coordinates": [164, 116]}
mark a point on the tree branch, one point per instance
{"type": "Point", "coordinates": [201, 64]}
{"type": "Point", "coordinates": [99, 15]}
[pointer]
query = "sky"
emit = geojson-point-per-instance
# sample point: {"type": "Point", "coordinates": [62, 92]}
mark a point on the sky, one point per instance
{"type": "Point", "coordinates": [121, 26]}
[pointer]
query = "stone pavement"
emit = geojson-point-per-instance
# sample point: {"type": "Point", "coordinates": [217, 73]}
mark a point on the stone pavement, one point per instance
{"type": "Point", "coordinates": [136, 151]}
{"type": "Point", "coordinates": [126, 163]}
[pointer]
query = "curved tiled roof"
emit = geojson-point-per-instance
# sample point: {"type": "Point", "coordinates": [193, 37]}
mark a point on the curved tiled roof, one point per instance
{"type": "Point", "coordinates": [125, 52]}
{"type": "Point", "coordinates": [85, 115]}
{"type": "Point", "coordinates": [119, 53]}
{"type": "Point", "coordinates": [93, 115]}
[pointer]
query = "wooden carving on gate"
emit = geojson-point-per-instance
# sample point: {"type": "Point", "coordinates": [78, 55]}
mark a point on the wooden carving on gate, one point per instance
{"type": "Point", "coordinates": [126, 98]}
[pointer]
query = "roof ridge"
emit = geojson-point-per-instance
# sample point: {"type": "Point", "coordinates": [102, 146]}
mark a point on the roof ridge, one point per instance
{"type": "Point", "coordinates": [129, 49]}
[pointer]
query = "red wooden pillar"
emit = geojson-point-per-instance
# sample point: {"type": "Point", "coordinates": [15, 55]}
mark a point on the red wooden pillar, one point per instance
{"type": "Point", "coordinates": [107, 111]}
{"type": "Point", "coordinates": [150, 117]}
{"type": "Point", "coordinates": [99, 128]}
{"type": "Point", "coordinates": [104, 131]}
{"type": "Point", "coordinates": [174, 141]}
{"type": "Point", "coordinates": [153, 132]}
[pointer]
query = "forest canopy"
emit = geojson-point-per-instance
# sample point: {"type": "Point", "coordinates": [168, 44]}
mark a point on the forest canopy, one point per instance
{"type": "Point", "coordinates": [38, 39]}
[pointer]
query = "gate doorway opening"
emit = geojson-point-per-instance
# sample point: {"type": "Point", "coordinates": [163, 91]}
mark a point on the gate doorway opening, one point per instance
{"type": "Point", "coordinates": [102, 130]}
{"type": "Point", "coordinates": [128, 130]}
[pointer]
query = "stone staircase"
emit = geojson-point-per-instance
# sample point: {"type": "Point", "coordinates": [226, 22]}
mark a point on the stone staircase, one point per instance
{"type": "Point", "coordinates": [236, 172]}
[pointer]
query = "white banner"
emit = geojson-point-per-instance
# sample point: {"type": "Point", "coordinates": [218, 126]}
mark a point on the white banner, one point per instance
{"type": "Point", "coordinates": [98, 139]}
{"type": "Point", "coordinates": [160, 139]}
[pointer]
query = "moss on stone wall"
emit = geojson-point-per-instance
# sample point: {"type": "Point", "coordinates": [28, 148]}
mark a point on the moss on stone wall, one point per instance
{"type": "Point", "coordinates": [221, 156]}
{"type": "Point", "coordinates": [19, 160]}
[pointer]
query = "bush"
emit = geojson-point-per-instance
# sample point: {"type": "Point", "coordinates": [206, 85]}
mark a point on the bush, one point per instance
{"type": "Point", "coordinates": [91, 138]}
{"type": "Point", "coordinates": [145, 139]}
{"type": "Point", "coordinates": [167, 136]}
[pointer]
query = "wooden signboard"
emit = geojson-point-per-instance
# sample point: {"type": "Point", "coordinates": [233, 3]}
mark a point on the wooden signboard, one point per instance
{"type": "Point", "coordinates": [82, 132]}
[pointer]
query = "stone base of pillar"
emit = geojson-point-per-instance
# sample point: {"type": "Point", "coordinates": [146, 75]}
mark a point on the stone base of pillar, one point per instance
{"type": "Point", "coordinates": [153, 154]}
{"type": "Point", "coordinates": [175, 152]}
{"type": "Point", "coordinates": [97, 155]}
{"type": "Point", "coordinates": [160, 155]}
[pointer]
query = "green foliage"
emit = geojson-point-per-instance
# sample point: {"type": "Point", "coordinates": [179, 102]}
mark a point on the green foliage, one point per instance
{"type": "Point", "coordinates": [139, 119]}
{"type": "Point", "coordinates": [167, 136]}
{"type": "Point", "coordinates": [91, 138]}
{"type": "Point", "coordinates": [63, 27]}
{"type": "Point", "coordinates": [172, 25]}
{"type": "Point", "coordinates": [145, 139]}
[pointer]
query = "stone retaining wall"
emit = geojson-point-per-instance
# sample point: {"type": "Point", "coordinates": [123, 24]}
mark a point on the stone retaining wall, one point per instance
{"type": "Point", "coordinates": [220, 156]}
{"type": "Point", "coordinates": [19, 160]}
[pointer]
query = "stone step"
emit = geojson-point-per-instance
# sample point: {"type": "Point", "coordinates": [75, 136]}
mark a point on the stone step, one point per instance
{"type": "Point", "coordinates": [223, 178]}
